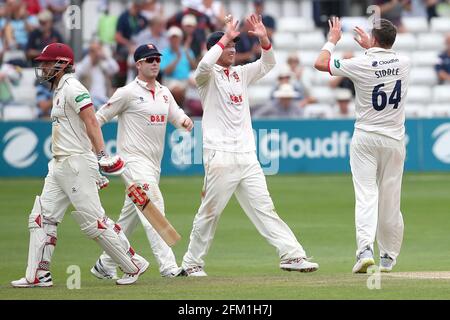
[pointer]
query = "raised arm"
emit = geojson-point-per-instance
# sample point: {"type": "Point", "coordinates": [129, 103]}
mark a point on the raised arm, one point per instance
{"type": "Point", "coordinates": [258, 69]}
{"type": "Point", "coordinates": [205, 66]}
{"type": "Point", "coordinates": [323, 60]}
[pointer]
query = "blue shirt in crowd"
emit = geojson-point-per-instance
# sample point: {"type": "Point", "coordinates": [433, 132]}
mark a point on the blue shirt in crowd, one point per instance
{"type": "Point", "coordinates": [183, 67]}
{"type": "Point", "coordinates": [444, 63]}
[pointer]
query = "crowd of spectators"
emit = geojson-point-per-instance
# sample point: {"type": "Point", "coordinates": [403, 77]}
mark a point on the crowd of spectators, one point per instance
{"type": "Point", "coordinates": [27, 26]}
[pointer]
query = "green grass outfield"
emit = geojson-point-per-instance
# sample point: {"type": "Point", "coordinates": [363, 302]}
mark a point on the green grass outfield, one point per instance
{"type": "Point", "coordinates": [241, 264]}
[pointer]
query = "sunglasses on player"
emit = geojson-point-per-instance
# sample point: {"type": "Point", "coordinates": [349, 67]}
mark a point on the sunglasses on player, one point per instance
{"type": "Point", "coordinates": [151, 59]}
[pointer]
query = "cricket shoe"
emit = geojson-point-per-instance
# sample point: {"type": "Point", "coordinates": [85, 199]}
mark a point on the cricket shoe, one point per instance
{"type": "Point", "coordinates": [298, 264]}
{"type": "Point", "coordinates": [43, 279]}
{"type": "Point", "coordinates": [102, 272]}
{"type": "Point", "coordinates": [172, 273]}
{"type": "Point", "coordinates": [386, 263]}
{"type": "Point", "coordinates": [130, 278]}
{"type": "Point", "coordinates": [363, 261]}
{"type": "Point", "coordinates": [195, 271]}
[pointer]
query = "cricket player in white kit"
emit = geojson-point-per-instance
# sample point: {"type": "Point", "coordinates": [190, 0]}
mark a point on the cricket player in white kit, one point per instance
{"type": "Point", "coordinates": [229, 152]}
{"type": "Point", "coordinates": [73, 176]}
{"type": "Point", "coordinates": [143, 107]}
{"type": "Point", "coordinates": [377, 151]}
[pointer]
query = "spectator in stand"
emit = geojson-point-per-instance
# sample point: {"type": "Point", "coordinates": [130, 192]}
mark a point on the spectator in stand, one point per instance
{"type": "Point", "coordinates": [392, 10]}
{"type": "Point", "coordinates": [33, 7]}
{"type": "Point", "coordinates": [57, 8]}
{"type": "Point", "coordinates": [44, 99]}
{"type": "Point", "coordinates": [215, 11]}
{"type": "Point", "coordinates": [193, 39]}
{"type": "Point", "coordinates": [176, 64]}
{"type": "Point", "coordinates": [421, 8]}
{"type": "Point", "coordinates": [95, 72]}
{"type": "Point", "coordinates": [130, 23]}
{"type": "Point", "coordinates": [247, 48]}
{"type": "Point", "coordinates": [267, 20]}
{"type": "Point", "coordinates": [204, 24]}
{"type": "Point", "coordinates": [16, 28]}
{"type": "Point", "coordinates": [443, 67]}
{"type": "Point", "coordinates": [152, 9]}
{"type": "Point", "coordinates": [9, 76]}
{"type": "Point", "coordinates": [285, 104]}
{"type": "Point", "coordinates": [42, 36]}
{"type": "Point", "coordinates": [19, 23]}
{"type": "Point", "coordinates": [344, 108]}
{"type": "Point", "coordinates": [2, 24]}
{"type": "Point", "coordinates": [154, 34]}
{"type": "Point", "coordinates": [343, 82]}
{"type": "Point", "coordinates": [287, 77]}
{"type": "Point", "coordinates": [107, 25]}
{"type": "Point", "coordinates": [301, 76]}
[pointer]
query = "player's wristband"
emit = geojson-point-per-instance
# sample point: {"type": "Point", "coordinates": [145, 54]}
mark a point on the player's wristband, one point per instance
{"type": "Point", "coordinates": [329, 46]}
{"type": "Point", "coordinates": [101, 154]}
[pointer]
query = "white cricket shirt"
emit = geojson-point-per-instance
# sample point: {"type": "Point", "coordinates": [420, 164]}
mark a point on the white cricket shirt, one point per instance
{"type": "Point", "coordinates": [226, 121]}
{"type": "Point", "coordinates": [69, 136]}
{"type": "Point", "coordinates": [142, 120]}
{"type": "Point", "coordinates": [381, 79]}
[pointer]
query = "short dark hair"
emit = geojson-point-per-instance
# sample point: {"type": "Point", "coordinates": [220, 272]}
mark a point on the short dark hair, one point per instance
{"type": "Point", "coordinates": [384, 32]}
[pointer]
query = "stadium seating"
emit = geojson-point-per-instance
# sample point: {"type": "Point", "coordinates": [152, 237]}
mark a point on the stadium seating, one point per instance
{"type": "Point", "coordinates": [318, 111]}
{"type": "Point", "coordinates": [296, 32]}
{"type": "Point", "coordinates": [418, 94]}
{"type": "Point", "coordinates": [415, 24]}
{"type": "Point", "coordinates": [423, 76]}
{"type": "Point", "coordinates": [440, 24]}
{"type": "Point", "coordinates": [416, 111]}
{"type": "Point", "coordinates": [18, 112]}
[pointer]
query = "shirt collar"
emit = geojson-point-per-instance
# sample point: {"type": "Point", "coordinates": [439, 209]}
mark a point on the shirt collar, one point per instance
{"type": "Point", "coordinates": [220, 68]}
{"type": "Point", "coordinates": [143, 84]}
{"type": "Point", "coordinates": [63, 78]}
{"type": "Point", "coordinates": [378, 49]}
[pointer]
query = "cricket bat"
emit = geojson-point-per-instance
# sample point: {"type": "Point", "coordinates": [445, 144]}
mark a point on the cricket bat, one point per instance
{"type": "Point", "coordinates": [151, 213]}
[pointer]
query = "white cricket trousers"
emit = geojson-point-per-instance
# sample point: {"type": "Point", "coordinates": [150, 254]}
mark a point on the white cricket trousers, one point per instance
{"type": "Point", "coordinates": [71, 180]}
{"type": "Point", "coordinates": [139, 171]}
{"type": "Point", "coordinates": [239, 173]}
{"type": "Point", "coordinates": [377, 167]}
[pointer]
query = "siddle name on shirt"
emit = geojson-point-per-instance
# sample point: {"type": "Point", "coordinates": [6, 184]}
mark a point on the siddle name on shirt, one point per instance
{"type": "Point", "coordinates": [387, 72]}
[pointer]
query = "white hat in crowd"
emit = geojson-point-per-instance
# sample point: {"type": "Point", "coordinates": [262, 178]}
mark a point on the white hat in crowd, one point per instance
{"type": "Point", "coordinates": [284, 71]}
{"type": "Point", "coordinates": [286, 90]}
{"type": "Point", "coordinates": [343, 94]}
{"type": "Point", "coordinates": [174, 31]}
{"type": "Point", "coordinates": [189, 20]}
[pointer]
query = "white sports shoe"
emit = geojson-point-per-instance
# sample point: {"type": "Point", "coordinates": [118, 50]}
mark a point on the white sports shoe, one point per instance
{"type": "Point", "coordinates": [363, 261]}
{"type": "Point", "coordinates": [42, 280]}
{"type": "Point", "coordinates": [172, 273]}
{"type": "Point", "coordinates": [386, 263]}
{"type": "Point", "coordinates": [100, 271]}
{"type": "Point", "coordinates": [298, 264]}
{"type": "Point", "coordinates": [195, 271]}
{"type": "Point", "coordinates": [130, 278]}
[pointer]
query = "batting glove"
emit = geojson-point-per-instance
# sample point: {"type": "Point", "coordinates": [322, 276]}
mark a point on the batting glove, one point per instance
{"type": "Point", "coordinates": [102, 182]}
{"type": "Point", "coordinates": [111, 165]}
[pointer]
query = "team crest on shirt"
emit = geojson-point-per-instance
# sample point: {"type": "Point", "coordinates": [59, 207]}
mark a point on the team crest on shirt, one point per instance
{"type": "Point", "coordinates": [166, 99]}
{"type": "Point", "coordinates": [141, 100]}
{"type": "Point", "coordinates": [236, 76]}
{"type": "Point", "coordinates": [157, 119]}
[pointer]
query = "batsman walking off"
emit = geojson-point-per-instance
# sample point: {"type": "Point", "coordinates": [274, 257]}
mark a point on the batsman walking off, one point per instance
{"type": "Point", "coordinates": [377, 151]}
{"type": "Point", "coordinates": [73, 176]}
{"type": "Point", "coordinates": [229, 154]}
{"type": "Point", "coordinates": [143, 109]}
